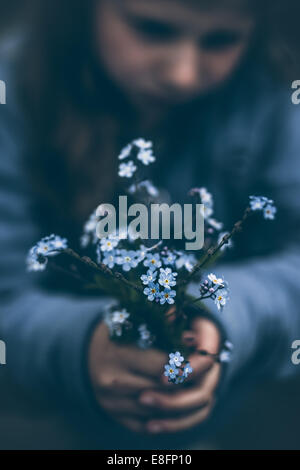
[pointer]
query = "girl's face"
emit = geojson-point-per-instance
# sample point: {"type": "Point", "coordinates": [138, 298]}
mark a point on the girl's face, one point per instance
{"type": "Point", "coordinates": [166, 52]}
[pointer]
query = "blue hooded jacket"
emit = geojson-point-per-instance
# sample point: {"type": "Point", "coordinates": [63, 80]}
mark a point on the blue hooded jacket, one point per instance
{"type": "Point", "coordinates": [249, 134]}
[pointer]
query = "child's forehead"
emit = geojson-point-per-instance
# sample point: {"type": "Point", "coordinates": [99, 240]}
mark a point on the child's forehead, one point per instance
{"type": "Point", "coordinates": [198, 13]}
{"type": "Point", "coordinates": [237, 6]}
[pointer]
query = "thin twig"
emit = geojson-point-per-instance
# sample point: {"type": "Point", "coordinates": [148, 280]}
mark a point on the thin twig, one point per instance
{"type": "Point", "coordinates": [101, 268]}
{"type": "Point", "coordinates": [214, 250]}
{"type": "Point", "coordinates": [203, 297]}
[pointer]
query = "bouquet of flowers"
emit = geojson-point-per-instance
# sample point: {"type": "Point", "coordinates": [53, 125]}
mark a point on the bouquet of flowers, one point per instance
{"type": "Point", "coordinates": [148, 282]}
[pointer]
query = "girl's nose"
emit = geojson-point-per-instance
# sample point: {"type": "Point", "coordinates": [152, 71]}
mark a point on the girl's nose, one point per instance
{"type": "Point", "coordinates": [182, 70]}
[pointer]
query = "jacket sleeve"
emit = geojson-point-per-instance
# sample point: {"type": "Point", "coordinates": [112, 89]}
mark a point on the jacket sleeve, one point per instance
{"type": "Point", "coordinates": [262, 317]}
{"type": "Point", "coordinates": [46, 334]}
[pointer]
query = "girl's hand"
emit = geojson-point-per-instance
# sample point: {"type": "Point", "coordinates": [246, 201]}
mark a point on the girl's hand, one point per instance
{"type": "Point", "coordinates": [119, 374]}
{"type": "Point", "coordinates": [189, 406]}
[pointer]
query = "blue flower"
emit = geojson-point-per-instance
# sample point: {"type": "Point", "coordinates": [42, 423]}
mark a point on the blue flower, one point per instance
{"type": "Point", "coordinates": [116, 320]}
{"type": "Point", "coordinates": [152, 261]}
{"type": "Point", "coordinates": [48, 246]}
{"type": "Point", "coordinates": [146, 340]}
{"type": "Point", "coordinates": [149, 187]}
{"type": "Point", "coordinates": [89, 231]}
{"type": "Point", "coordinates": [171, 371]}
{"type": "Point", "coordinates": [205, 196]}
{"type": "Point", "coordinates": [269, 212]}
{"type": "Point", "coordinates": [146, 157]}
{"type": "Point", "coordinates": [141, 253]}
{"type": "Point", "coordinates": [186, 261]}
{"type": "Point", "coordinates": [167, 296]}
{"type": "Point", "coordinates": [262, 203]}
{"type": "Point", "coordinates": [109, 243]}
{"type": "Point", "coordinates": [176, 359]}
{"type": "Point", "coordinates": [179, 380]}
{"type": "Point", "coordinates": [208, 204]}
{"type": "Point", "coordinates": [215, 224]}
{"type": "Point", "coordinates": [35, 262]}
{"type": "Point", "coordinates": [218, 282]}
{"type": "Point", "coordinates": [152, 291]}
{"type": "Point", "coordinates": [187, 370]}
{"type": "Point", "coordinates": [222, 297]}
{"type": "Point", "coordinates": [51, 246]}
{"type": "Point", "coordinates": [167, 278]}
{"type": "Point", "coordinates": [225, 356]}
{"type": "Point", "coordinates": [228, 345]}
{"type": "Point", "coordinates": [170, 259]}
{"type": "Point", "coordinates": [43, 247]}
{"type": "Point", "coordinates": [177, 370]}
{"type": "Point", "coordinates": [127, 170]}
{"type": "Point", "coordinates": [110, 259]}
{"type": "Point", "coordinates": [127, 259]}
{"type": "Point", "coordinates": [142, 144]}
{"type": "Point", "coordinates": [206, 211]}
{"type": "Point", "coordinates": [125, 152]}
{"type": "Point", "coordinates": [58, 243]}
{"type": "Point", "coordinates": [120, 316]}
{"type": "Point", "coordinates": [149, 277]}
{"type": "Point", "coordinates": [257, 203]}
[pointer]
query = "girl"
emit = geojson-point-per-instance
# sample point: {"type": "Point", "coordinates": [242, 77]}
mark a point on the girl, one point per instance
{"type": "Point", "coordinates": [197, 78]}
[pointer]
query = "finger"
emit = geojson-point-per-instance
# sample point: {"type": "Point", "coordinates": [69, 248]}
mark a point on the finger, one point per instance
{"type": "Point", "coordinates": [171, 315]}
{"type": "Point", "coordinates": [123, 384]}
{"type": "Point", "coordinates": [201, 365]}
{"type": "Point", "coordinates": [149, 363]}
{"type": "Point", "coordinates": [204, 335]}
{"type": "Point", "coordinates": [207, 335]}
{"type": "Point", "coordinates": [179, 424]}
{"type": "Point", "coordinates": [187, 398]}
{"type": "Point", "coordinates": [134, 425]}
{"type": "Point", "coordinates": [124, 407]}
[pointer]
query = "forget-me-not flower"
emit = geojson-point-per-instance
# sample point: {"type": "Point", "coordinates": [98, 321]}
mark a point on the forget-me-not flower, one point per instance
{"type": "Point", "coordinates": [167, 296]}
{"type": "Point", "coordinates": [146, 157]}
{"type": "Point", "coordinates": [125, 152]}
{"type": "Point", "coordinates": [108, 244]}
{"type": "Point", "coordinates": [152, 291]}
{"type": "Point", "coordinates": [216, 281]}
{"type": "Point", "coordinates": [127, 259]}
{"type": "Point", "coordinates": [170, 259]}
{"type": "Point", "coordinates": [171, 371]}
{"type": "Point", "coordinates": [222, 298]}
{"type": "Point", "coordinates": [167, 278]}
{"type": "Point", "coordinates": [187, 370]}
{"type": "Point", "coordinates": [152, 261]}
{"type": "Point", "coordinates": [110, 259]}
{"type": "Point", "coordinates": [127, 170]}
{"type": "Point", "coordinates": [149, 277]}
{"type": "Point", "coordinates": [269, 212]}
{"type": "Point", "coordinates": [143, 144]}
{"type": "Point", "coordinates": [176, 359]}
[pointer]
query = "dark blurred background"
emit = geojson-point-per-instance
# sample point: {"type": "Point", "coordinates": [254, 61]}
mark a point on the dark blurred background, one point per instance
{"type": "Point", "coordinates": [268, 416]}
